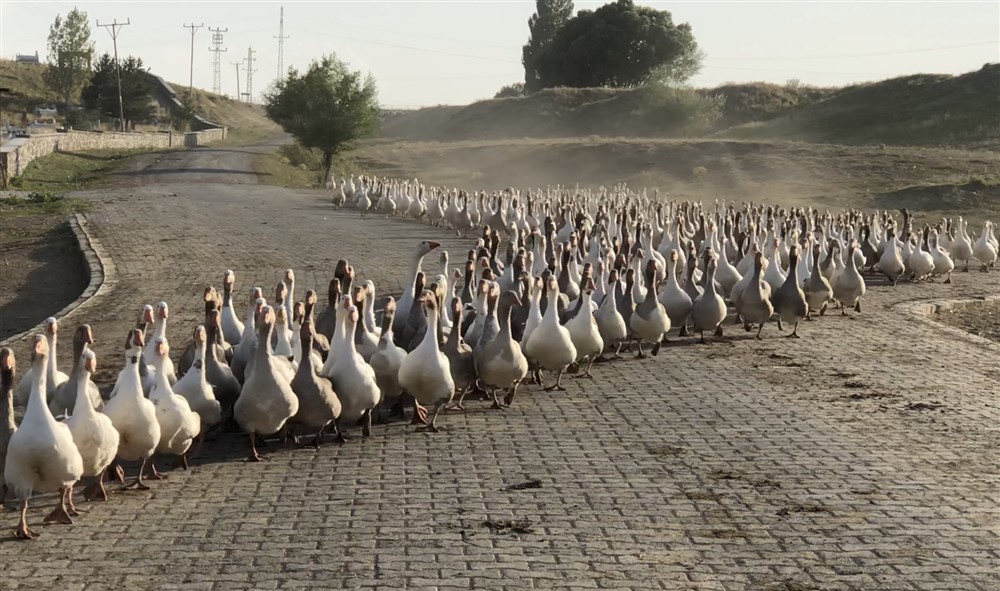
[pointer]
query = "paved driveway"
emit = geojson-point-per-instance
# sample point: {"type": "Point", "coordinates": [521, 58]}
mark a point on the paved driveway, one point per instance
{"type": "Point", "coordinates": [863, 456]}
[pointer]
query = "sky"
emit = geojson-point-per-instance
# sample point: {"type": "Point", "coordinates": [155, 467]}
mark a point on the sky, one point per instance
{"type": "Point", "coordinates": [449, 52]}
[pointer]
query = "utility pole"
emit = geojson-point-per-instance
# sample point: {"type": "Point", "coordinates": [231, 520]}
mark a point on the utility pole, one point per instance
{"type": "Point", "coordinates": [217, 60]}
{"type": "Point", "coordinates": [237, 64]}
{"type": "Point", "coordinates": [250, 71]}
{"type": "Point", "coordinates": [194, 28]}
{"type": "Point", "coordinates": [281, 44]}
{"type": "Point", "coordinates": [114, 27]}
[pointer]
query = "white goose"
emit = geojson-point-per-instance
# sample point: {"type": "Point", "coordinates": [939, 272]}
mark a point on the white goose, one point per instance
{"type": "Point", "coordinates": [849, 285]}
{"type": "Point", "coordinates": [54, 379]}
{"type": "Point", "coordinates": [550, 344]}
{"type": "Point", "coordinates": [709, 309]}
{"type": "Point", "coordinates": [353, 379]}
{"type": "Point", "coordinates": [676, 302]}
{"type": "Point", "coordinates": [232, 328]}
{"type": "Point", "coordinates": [159, 332]}
{"type": "Point", "coordinates": [267, 400]}
{"type": "Point", "coordinates": [425, 373]}
{"type": "Point", "coordinates": [179, 425]}
{"type": "Point", "coordinates": [132, 414]}
{"type": "Point", "coordinates": [94, 434]}
{"type": "Point", "coordinates": [985, 249]}
{"type": "Point", "coordinates": [406, 299]}
{"type": "Point", "coordinates": [583, 331]}
{"type": "Point", "coordinates": [943, 265]}
{"type": "Point", "coordinates": [41, 456]}
{"type": "Point", "coordinates": [64, 400]}
{"type": "Point", "coordinates": [650, 322]}
{"type": "Point", "coordinates": [387, 359]}
{"type": "Point", "coordinates": [610, 322]}
{"type": "Point", "coordinates": [194, 386]}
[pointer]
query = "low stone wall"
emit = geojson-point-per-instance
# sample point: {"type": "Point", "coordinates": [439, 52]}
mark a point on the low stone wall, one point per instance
{"type": "Point", "coordinates": [16, 154]}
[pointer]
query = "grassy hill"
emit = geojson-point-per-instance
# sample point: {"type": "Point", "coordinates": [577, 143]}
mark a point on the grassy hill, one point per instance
{"type": "Point", "coordinates": [924, 109]}
{"type": "Point", "coordinates": [29, 91]}
{"type": "Point", "coordinates": [911, 110]}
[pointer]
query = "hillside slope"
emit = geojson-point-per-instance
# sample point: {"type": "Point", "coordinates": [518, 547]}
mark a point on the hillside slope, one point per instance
{"type": "Point", "coordinates": [912, 110]}
{"type": "Point", "coordinates": [924, 109]}
{"type": "Point", "coordinates": [28, 91]}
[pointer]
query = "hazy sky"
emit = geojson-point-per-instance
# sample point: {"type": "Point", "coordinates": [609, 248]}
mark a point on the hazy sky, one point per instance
{"type": "Point", "coordinates": [425, 53]}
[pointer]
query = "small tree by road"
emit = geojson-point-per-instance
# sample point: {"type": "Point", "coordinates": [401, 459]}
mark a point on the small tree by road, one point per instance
{"type": "Point", "coordinates": [326, 108]}
{"type": "Point", "coordinates": [70, 53]}
{"type": "Point", "coordinates": [101, 93]}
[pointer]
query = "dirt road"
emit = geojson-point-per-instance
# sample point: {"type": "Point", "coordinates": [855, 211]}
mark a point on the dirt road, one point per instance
{"type": "Point", "coordinates": [224, 165]}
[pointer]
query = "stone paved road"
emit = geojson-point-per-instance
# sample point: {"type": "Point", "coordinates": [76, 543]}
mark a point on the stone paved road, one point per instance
{"type": "Point", "coordinates": [863, 456]}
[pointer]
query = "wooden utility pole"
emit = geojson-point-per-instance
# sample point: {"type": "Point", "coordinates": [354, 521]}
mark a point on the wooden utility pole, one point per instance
{"type": "Point", "coordinates": [237, 64]}
{"type": "Point", "coordinates": [194, 28]}
{"type": "Point", "coordinates": [113, 28]}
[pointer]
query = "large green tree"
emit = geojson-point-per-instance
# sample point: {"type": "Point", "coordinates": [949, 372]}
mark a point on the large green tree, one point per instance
{"type": "Point", "coordinates": [549, 17]}
{"type": "Point", "coordinates": [620, 45]}
{"type": "Point", "coordinates": [101, 94]}
{"type": "Point", "coordinates": [70, 53]}
{"type": "Point", "coordinates": [325, 108]}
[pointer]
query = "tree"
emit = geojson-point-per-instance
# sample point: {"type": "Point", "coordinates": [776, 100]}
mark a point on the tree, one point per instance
{"type": "Point", "coordinates": [326, 108]}
{"type": "Point", "coordinates": [70, 53]}
{"type": "Point", "coordinates": [620, 45]}
{"type": "Point", "coordinates": [101, 94]}
{"type": "Point", "coordinates": [549, 17]}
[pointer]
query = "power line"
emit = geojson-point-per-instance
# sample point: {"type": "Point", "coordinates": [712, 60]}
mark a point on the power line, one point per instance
{"type": "Point", "coordinates": [217, 50]}
{"type": "Point", "coordinates": [194, 29]}
{"type": "Point", "coordinates": [114, 28]}
{"type": "Point", "coordinates": [281, 44]}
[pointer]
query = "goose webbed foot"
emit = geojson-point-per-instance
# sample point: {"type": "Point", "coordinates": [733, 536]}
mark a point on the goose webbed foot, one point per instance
{"type": "Point", "coordinates": [70, 505]}
{"type": "Point", "coordinates": [254, 455]}
{"type": "Point", "coordinates": [822, 310]}
{"type": "Point", "coordinates": [23, 532]}
{"type": "Point", "coordinates": [795, 332]}
{"type": "Point", "coordinates": [496, 402]}
{"type": "Point", "coordinates": [780, 327]}
{"type": "Point", "coordinates": [948, 280]}
{"type": "Point", "coordinates": [366, 422]}
{"type": "Point", "coordinates": [857, 306]}
{"type": "Point", "coordinates": [153, 472]}
{"type": "Point", "coordinates": [718, 330]}
{"type": "Point", "coordinates": [419, 414]}
{"type": "Point", "coordinates": [702, 340]}
{"type": "Point", "coordinates": [509, 399]}
{"type": "Point", "coordinates": [96, 491]}
{"type": "Point", "coordinates": [59, 514]}
{"type": "Point", "coordinates": [558, 385]}
{"type": "Point", "coordinates": [118, 471]}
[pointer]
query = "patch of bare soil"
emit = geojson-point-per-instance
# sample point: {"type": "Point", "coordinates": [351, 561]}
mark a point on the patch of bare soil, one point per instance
{"type": "Point", "coordinates": [42, 270]}
{"type": "Point", "coordinates": [979, 319]}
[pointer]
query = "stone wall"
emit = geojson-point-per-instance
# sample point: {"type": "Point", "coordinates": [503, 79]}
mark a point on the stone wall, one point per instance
{"type": "Point", "coordinates": [16, 154]}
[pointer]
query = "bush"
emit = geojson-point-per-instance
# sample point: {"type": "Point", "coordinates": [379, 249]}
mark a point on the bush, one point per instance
{"type": "Point", "coordinates": [299, 156]}
{"type": "Point", "coordinates": [680, 110]}
{"type": "Point", "coordinates": [510, 90]}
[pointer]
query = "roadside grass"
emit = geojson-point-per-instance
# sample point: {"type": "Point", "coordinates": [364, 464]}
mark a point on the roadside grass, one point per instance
{"type": "Point", "coordinates": [294, 166]}
{"type": "Point", "coordinates": [40, 203]}
{"type": "Point", "coordinates": [72, 171]}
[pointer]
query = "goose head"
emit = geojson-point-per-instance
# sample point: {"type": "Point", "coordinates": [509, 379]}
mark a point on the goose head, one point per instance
{"type": "Point", "coordinates": [160, 351]}
{"type": "Point", "coordinates": [265, 318]}
{"type": "Point", "coordinates": [88, 364]}
{"type": "Point", "coordinates": [199, 336]}
{"type": "Point", "coordinates": [298, 313]}
{"type": "Point", "coordinates": [145, 315]}
{"type": "Point", "coordinates": [426, 246]}
{"type": "Point", "coordinates": [162, 311]}
{"type": "Point", "coordinates": [228, 279]}
{"type": "Point", "coordinates": [289, 276]}
{"type": "Point", "coordinates": [39, 353]}
{"type": "Point", "coordinates": [52, 325]}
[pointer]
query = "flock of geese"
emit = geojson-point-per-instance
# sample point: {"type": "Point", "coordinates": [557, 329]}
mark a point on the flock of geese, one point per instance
{"type": "Point", "coordinates": [557, 280]}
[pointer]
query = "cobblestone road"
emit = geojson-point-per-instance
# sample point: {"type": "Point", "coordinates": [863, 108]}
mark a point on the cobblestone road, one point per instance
{"type": "Point", "coordinates": [863, 456]}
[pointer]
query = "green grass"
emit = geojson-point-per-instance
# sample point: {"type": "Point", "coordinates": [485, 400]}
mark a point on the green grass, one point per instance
{"type": "Point", "coordinates": [274, 169]}
{"type": "Point", "coordinates": [38, 203]}
{"type": "Point", "coordinates": [65, 171]}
